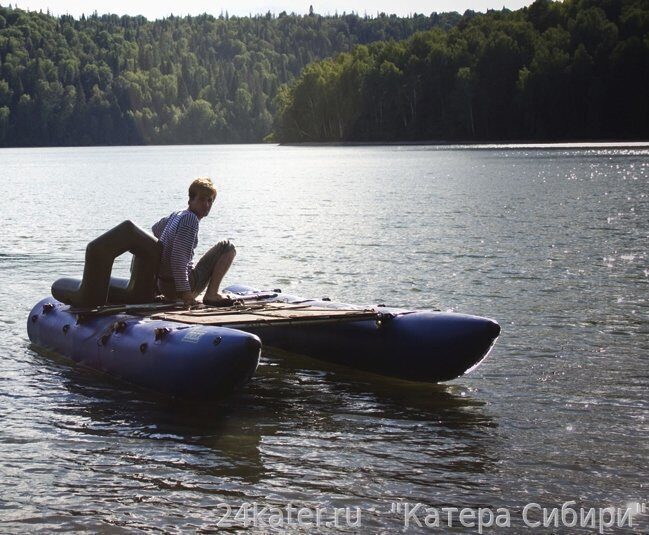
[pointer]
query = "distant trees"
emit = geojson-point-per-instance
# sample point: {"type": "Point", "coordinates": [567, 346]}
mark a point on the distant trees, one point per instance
{"type": "Point", "coordinates": [126, 80]}
{"type": "Point", "coordinates": [577, 69]}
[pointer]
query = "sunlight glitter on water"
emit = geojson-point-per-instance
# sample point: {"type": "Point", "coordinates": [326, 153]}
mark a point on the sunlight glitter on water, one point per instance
{"type": "Point", "coordinates": [496, 231]}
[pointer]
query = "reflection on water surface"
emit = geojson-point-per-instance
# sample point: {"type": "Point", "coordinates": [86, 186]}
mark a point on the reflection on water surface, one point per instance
{"type": "Point", "coordinates": [550, 242]}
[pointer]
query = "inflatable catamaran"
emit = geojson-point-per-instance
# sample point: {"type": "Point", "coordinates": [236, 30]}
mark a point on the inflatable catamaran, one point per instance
{"type": "Point", "coordinates": [116, 326]}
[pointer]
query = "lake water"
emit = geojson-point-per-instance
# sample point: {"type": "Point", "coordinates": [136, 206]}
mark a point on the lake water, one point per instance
{"type": "Point", "coordinates": [552, 242]}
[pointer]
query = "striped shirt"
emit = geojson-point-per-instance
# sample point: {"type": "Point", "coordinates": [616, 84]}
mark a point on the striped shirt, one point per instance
{"type": "Point", "coordinates": [178, 233]}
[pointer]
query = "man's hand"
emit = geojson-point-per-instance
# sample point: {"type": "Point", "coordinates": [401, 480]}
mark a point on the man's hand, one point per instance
{"type": "Point", "coordinates": [188, 299]}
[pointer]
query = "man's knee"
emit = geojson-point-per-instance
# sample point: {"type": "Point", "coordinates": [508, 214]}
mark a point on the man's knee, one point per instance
{"type": "Point", "coordinates": [227, 247]}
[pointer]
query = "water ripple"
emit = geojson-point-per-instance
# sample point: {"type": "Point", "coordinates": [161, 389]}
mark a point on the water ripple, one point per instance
{"type": "Point", "coordinates": [549, 241]}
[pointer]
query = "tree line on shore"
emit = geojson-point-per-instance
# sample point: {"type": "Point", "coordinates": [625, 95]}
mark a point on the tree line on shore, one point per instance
{"type": "Point", "coordinates": [126, 80]}
{"type": "Point", "coordinates": [577, 69]}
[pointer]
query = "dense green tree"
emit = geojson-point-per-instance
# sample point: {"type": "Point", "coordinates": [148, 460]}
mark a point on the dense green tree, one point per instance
{"type": "Point", "coordinates": [110, 79]}
{"type": "Point", "coordinates": [4, 123]}
{"type": "Point", "coordinates": [5, 93]}
{"type": "Point", "coordinates": [555, 70]}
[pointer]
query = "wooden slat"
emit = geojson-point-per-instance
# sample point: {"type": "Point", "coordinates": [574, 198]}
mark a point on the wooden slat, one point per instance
{"type": "Point", "coordinates": [266, 314]}
{"type": "Point", "coordinates": [237, 309]}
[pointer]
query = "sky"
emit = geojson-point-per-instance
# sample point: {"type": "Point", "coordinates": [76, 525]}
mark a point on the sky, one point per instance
{"type": "Point", "coordinates": [163, 8]}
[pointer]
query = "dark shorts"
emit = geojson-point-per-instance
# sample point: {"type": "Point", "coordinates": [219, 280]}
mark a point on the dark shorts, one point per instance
{"type": "Point", "coordinates": [201, 273]}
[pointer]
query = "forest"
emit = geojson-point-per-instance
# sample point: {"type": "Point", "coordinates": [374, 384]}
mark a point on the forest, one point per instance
{"type": "Point", "coordinates": [120, 80]}
{"type": "Point", "coordinates": [577, 69]}
{"type": "Point", "coordinates": [572, 70]}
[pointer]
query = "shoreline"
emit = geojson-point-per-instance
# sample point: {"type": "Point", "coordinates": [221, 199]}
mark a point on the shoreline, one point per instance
{"type": "Point", "coordinates": [481, 145]}
{"type": "Point", "coordinates": [477, 145]}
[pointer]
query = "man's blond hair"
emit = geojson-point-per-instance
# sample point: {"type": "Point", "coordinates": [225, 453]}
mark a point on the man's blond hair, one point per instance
{"type": "Point", "coordinates": [202, 185]}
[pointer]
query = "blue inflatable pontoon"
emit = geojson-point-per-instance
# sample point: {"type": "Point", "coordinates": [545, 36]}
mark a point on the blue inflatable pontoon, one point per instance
{"type": "Point", "coordinates": [189, 361]}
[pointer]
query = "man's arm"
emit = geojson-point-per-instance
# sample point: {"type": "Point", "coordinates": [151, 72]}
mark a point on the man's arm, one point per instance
{"type": "Point", "coordinates": [159, 227]}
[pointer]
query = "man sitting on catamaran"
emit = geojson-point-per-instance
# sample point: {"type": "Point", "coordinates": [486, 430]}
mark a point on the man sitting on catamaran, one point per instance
{"type": "Point", "coordinates": [178, 233]}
